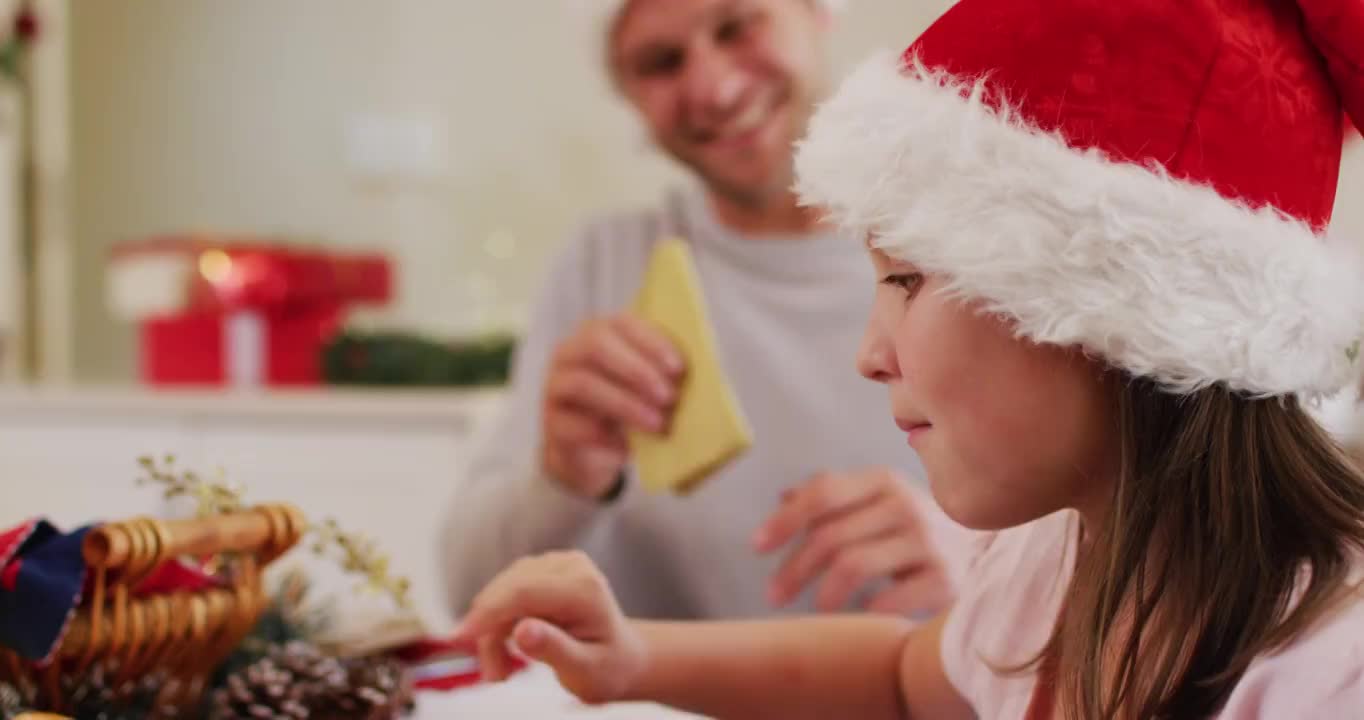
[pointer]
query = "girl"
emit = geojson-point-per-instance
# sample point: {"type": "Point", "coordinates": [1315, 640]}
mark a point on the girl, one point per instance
{"type": "Point", "coordinates": [1103, 305]}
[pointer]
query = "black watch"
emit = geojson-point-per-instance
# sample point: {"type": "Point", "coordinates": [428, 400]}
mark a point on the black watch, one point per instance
{"type": "Point", "coordinates": [617, 489]}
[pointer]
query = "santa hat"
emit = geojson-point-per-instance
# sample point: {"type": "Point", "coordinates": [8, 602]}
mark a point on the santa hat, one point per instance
{"type": "Point", "coordinates": [1148, 179]}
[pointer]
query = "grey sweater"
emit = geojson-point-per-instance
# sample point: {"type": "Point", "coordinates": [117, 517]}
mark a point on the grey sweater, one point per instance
{"type": "Point", "coordinates": [788, 314]}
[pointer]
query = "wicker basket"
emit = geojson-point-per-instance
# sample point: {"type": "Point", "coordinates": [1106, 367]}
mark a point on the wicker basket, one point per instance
{"type": "Point", "coordinates": [182, 636]}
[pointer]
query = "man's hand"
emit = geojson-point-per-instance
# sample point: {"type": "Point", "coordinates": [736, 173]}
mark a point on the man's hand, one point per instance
{"type": "Point", "coordinates": [613, 373]}
{"type": "Point", "coordinates": [854, 529]}
{"type": "Point", "coordinates": [557, 609]}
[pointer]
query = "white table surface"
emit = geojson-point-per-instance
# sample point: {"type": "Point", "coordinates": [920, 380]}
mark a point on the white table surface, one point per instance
{"type": "Point", "coordinates": [532, 694]}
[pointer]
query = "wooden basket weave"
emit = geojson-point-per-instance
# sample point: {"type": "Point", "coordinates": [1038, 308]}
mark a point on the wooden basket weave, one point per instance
{"type": "Point", "coordinates": [183, 636]}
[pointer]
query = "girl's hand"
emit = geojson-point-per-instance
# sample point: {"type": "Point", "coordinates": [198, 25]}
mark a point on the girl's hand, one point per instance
{"type": "Point", "coordinates": [557, 609]}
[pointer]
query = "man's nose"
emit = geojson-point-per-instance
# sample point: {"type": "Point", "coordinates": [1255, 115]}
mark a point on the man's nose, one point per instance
{"type": "Point", "coordinates": [714, 82]}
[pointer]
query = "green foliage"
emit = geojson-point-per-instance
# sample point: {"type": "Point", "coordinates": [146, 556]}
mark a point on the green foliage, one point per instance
{"type": "Point", "coordinates": [402, 359]}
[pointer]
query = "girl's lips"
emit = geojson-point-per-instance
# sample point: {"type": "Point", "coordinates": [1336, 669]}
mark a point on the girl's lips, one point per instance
{"type": "Point", "coordinates": [913, 428]}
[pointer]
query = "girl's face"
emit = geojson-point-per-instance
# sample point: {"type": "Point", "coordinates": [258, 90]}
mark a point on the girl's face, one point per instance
{"type": "Point", "coordinates": [1008, 430]}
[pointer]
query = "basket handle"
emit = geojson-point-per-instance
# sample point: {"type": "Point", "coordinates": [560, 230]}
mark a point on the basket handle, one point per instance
{"type": "Point", "coordinates": [137, 546]}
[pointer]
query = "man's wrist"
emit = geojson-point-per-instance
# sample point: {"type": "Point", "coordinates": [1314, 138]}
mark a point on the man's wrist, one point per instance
{"type": "Point", "coordinates": [617, 488]}
{"type": "Point", "coordinates": [609, 496]}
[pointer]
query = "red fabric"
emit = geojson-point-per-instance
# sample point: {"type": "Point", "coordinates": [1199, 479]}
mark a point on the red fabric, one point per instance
{"type": "Point", "coordinates": [1229, 93]}
{"type": "Point", "coordinates": [427, 648]}
{"type": "Point", "coordinates": [1336, 28]}
{"type": "Point", "coordinates": [11, 539]}
{"type": "Point", "coordinates": [9, 576]}
{"type": "Point", "coordinates": [10, 542]}
{"type": "Point", "coordinates": [429, 658]}
{"type": "Point", "coordinates": [446, 683]}
{"type": "Point", "coordinates": [176, 576]}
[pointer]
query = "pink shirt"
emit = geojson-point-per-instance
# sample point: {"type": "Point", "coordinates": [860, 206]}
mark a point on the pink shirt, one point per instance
{"type": "Point", "coordinates": [1012, 594]}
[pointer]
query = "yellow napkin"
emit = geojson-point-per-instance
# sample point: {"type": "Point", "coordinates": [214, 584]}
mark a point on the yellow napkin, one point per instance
{"type": "Point", "coordinates": [708, 428]}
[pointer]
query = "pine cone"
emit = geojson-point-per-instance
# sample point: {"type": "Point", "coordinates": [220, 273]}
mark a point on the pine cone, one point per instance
{"type": "Point", "coordinates": [88, 694]}
{"type": "Point", "coordinates": [88, 697]}
{"type": "Point", "coordinates": [299, 681]}
{"type": "Point", "coordinates": [11, 701]}
{"type": "Point", "coordinates": [92, 697]}
{"type": "Point", "coordinates": [379, 689]}
{"type": "Point", "coordinates": [280, 685]}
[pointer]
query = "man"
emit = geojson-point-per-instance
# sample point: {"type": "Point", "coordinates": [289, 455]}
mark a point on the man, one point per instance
{"type": "Point", "coordinates": [820, 514]}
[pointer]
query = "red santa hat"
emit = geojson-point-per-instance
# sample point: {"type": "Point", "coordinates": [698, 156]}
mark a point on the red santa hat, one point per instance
{"type": "Point", "coordinates": [1148, 179]}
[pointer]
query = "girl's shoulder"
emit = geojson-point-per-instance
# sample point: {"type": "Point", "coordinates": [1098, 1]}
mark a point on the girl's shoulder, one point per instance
{"type": "Point", "coordinates": [1318, 675]}
{"type": "Point", "coordinates": [1012, 594]}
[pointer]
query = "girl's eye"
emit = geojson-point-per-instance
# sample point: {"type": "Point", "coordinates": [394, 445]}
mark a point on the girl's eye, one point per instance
{"type": "Point", "coordinates": [907, 282]}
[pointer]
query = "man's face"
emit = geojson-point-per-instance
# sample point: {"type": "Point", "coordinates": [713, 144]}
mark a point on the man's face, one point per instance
{"type": "Point", "coordinates": [726, 86]}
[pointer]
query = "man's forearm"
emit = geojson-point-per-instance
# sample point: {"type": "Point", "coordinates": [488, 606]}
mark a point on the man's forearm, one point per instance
{"type": "Point", "coordinates": [818, 667]}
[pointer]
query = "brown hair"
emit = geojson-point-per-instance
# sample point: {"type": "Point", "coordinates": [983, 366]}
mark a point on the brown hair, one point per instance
{"type": "Point", "coordinates": [1233, 527]}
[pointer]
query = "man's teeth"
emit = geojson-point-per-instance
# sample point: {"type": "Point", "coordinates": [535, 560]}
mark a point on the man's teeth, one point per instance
{"type": "Point", "coordinates": [751, 118]}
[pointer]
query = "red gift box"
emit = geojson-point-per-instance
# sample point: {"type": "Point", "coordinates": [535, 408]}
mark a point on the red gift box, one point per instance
{"type": "Point", "coordinates": [217, 310]}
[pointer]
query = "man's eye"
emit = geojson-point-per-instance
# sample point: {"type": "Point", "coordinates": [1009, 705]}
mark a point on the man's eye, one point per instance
{"type": "Point", "coordinates": [730, 31]}
{"type": "Point", "coordinates": [659, 63]}
{"type": "Point", "coordinates": [737, 25]}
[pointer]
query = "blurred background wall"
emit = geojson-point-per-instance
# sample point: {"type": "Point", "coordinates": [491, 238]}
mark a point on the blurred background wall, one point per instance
{"type": "Point", "coordinates": [465, 137]}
